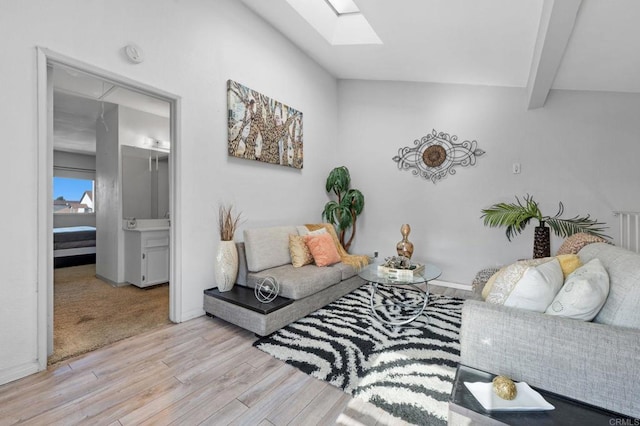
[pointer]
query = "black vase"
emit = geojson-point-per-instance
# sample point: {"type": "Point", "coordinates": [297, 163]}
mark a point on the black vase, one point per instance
{"type": "Point", "coordinates": [541, 242]}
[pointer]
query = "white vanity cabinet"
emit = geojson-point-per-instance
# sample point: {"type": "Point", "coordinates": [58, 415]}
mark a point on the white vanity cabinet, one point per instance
{"type": "Point", "coordinates": [146, 256]}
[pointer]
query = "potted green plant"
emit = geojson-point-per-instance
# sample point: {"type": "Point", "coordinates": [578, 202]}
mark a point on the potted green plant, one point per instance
{"type": "Point", "coordinates": [226, 265]}
{"type": "Point", "coordinates": [343, 213]}
{"type": "Point", "coordinates": [516, 216]}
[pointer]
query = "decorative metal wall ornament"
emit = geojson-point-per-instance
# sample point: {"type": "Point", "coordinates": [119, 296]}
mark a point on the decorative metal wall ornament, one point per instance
{"type": "Point", "coordinates": [435, 156]}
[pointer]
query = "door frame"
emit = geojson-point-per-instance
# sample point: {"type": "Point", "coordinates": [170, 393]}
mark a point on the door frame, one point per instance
{"type": "Point", "coordinates": [46, 59]}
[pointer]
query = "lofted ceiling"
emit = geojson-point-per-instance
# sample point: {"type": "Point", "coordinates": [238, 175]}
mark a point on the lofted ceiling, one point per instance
{"type": "Point", "coordinates": [534, 44]}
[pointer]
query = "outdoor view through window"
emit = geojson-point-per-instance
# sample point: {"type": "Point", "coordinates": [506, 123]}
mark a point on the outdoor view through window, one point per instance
{"type": "Point", "coordinates": [72, 195]}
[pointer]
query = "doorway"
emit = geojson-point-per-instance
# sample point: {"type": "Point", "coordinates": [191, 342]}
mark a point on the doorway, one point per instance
{"type": "Point", "coordinates": [47, 62]}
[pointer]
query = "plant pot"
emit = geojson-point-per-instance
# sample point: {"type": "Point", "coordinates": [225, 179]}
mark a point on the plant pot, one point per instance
{"type": "Point", "coordinates": [226, 265]}
{"type": "Point", "coordinates": [541, 242]}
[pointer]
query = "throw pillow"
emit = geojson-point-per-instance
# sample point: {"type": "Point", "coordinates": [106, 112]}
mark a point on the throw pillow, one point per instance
{"type": "Point", "coordinates": [512, 273]}
{"type": "Point", "coordinates": [583, 294]}
{"type": "Point", "coordinates": [524, 285]}
{"type": "Point", "coordinates": [323, 249]}
{"type": "Point", "coordinates": [537, 288]}
{"type": "Point", "coordinates": [489, 285]}
{"type": "Point", "coordinates": [503, 281]}
{"type": "Point", "coordinates": [300, 254]}
{"type": "Point", "coordinates": [574, 243]}
{"type": "Point", "coordinates": [303, 230]}
{"type": "Point", "coordinates": [569, 263]}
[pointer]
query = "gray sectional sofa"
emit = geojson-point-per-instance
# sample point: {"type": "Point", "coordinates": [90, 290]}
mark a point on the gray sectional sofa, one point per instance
{"type": "Point", "coordinates": [595, 362]}
{"type": "Point", "coordinates": [265, 253]}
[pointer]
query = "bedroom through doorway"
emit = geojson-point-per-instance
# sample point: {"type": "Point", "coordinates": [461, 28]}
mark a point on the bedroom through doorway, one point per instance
{"type": "Point", "coordinates": [111, 162]}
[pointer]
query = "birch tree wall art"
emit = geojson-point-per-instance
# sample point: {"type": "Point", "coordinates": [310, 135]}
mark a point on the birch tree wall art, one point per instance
{"type": "Point", "coordinates": [263, 129]}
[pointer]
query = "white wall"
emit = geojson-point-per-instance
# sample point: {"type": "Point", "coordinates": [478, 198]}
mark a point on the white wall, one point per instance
{"type": "Point", "coordinates": [191, 48]}
{"type": "Point", "coordinates": [108, 201]}
{"type": "Point", "coordinates": [581, 148]}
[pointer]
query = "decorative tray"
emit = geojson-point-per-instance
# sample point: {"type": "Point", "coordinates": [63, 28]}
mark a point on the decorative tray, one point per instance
{"type": "Point", "coordinates": [526, 400]}
{"type": "Point", "coordinates": [395, 273]}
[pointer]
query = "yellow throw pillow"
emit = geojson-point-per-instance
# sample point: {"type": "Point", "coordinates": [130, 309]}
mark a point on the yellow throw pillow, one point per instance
{"type": "Point", "coordinates": [300, 254]}
{"type": "Point", "coordinates": [569, 263]}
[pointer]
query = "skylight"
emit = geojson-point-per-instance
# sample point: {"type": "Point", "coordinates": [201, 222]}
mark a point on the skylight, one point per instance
{"type": "Point", "coordinates": [340, 22]}
{"type": "Point", "coordinates": [343, 7]}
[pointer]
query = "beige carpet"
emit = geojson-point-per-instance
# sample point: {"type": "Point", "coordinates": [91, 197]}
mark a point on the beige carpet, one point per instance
{"type": "Point", "coordinates": [90, 313]}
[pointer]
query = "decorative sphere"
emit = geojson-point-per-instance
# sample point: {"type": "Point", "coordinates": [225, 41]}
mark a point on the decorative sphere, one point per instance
{"type": "Point", "coordinates": [267, 289]}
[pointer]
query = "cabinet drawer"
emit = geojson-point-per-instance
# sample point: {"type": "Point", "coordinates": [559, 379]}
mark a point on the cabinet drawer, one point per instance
{"type": "Point", "coordinates": [156, 242]}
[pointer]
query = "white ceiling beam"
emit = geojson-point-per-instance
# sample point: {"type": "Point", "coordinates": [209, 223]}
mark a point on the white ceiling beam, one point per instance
{"type": "Point", "coordinates": [556, 25]}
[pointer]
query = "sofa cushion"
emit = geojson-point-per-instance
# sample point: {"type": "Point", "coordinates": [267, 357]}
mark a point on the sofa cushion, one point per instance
{"type": "Point", "coordinates": [623, 267]}
{"type": "Point", "coordinates": [583, 293]}
{"type": "Point", "coordinates": [347, 271]}
{"type": "Point", "coordinates": [297, 283]}
{"type": "Point", "coordinates": [267, 247]}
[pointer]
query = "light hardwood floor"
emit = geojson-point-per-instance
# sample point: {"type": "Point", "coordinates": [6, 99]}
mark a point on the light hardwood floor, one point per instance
{"type": "Point", "coordinates": [203, 371]}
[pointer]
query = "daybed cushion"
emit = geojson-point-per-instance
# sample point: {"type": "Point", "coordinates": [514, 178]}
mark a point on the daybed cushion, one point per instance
{"type": "Point", "coordinates": [297, 283]}
{"type": "Point", "coordinates": [267, 247]}
{"type": "Point", "coordinates": [623, 267]}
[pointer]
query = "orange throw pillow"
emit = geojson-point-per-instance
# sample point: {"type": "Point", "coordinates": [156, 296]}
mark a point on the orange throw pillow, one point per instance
{"type": "Point", "coordinates": [323, 249]}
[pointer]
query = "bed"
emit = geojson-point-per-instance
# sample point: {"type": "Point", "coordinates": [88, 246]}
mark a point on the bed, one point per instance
{"type": "Point", "coordinates": [74, 245]}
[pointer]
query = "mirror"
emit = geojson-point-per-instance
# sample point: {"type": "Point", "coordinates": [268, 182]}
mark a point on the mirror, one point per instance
{"type": "Point", "coordinates": [145, 183]}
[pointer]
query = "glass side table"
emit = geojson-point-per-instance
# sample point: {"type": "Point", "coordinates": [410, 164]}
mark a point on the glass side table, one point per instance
{"type": "Point", "coordinates": [398, 311]}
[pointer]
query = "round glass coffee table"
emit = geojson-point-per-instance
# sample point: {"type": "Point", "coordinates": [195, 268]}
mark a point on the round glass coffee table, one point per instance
{"type": "Point", "coordinates": [393, 309]}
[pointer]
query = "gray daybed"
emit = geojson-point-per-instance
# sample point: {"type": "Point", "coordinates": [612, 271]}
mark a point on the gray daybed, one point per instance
{"type": "Point", "coordinates": [595, 362]}
{"type": "Point", "coordinates": [265, 253]}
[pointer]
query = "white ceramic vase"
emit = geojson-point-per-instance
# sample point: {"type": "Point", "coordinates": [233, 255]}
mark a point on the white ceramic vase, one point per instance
{"type": "Point", "coordinates": [226, 265]}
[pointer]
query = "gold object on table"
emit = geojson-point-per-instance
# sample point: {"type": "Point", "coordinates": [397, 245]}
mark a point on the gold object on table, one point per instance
{"type": "Point", "coordinates": [504, 387]}
{"type": "Point", "coordinates": [405, 247]}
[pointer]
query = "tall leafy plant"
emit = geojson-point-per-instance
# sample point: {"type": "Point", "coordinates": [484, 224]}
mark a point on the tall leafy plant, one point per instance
{"type": "Point", "coordinates": [343, 212]}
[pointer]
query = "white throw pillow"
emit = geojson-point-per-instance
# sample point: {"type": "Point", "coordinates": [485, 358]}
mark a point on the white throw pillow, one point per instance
{"type": "Point", "coordinates": [537, 287]}
{"type": "Point", "coordinates": [583, 294]}
{"type": "Point", "coordinates": [303, 230]}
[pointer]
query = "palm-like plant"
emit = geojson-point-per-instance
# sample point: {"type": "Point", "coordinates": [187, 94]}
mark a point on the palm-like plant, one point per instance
{"type": "Point", "coordinates": [343, 212]}
{"type": "Point", "coordinates": [516, 216]}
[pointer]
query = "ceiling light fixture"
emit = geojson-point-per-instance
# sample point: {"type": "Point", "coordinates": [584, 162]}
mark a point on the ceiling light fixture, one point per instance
{"type": "Point", "coordinates": [343, 7]}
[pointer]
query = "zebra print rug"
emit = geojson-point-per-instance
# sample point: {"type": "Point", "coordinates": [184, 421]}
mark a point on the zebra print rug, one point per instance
{"type": "Point", "coordinates": [407, 372]}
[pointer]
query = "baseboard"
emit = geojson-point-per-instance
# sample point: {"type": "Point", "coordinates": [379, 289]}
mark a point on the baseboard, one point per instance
{"type": "Point", "coordinates": [192, 314]}
{"type": "Point", "coordinates": [111, 282]}
{"type": "Point", "coordinates": [14, 373]}
{"type": "Point", "coordinates": [451, 285]}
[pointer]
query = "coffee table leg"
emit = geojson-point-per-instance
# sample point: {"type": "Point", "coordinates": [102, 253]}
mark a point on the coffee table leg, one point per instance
{"type": "Point", "coordinates": [419, 309]}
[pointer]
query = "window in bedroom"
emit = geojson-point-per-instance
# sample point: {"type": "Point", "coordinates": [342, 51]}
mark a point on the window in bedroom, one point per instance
{"type": "Point", "coordinates": [72, 196]}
